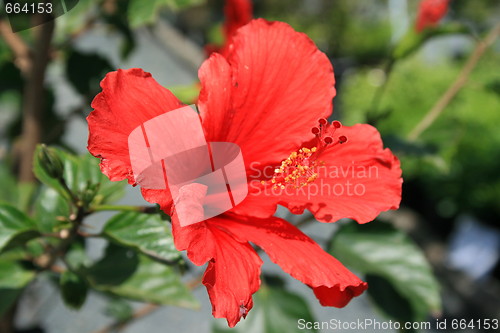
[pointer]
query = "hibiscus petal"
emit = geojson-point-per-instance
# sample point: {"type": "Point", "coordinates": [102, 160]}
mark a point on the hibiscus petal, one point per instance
{"type": "Point", "coordinates": [215, 75]}
{"type": "Point", "coordinates": [232, 277]}
{"type": "Point", "coordinates": [300, 256]}
{"type": "Point", "coordinates": [233, 272]}
{"type": "Point", "coordinates": [161, 197]}
{"type": "Point", "coordinates": [274, 86]}
{"type": "Point", "coordinates": [128, 99]}
{"type": "Point", "coordinates": [430, 12]}
{"type": "Point", "coordinates": [359, 180]}
{"type": "Point", "coordinates": [237, 13]}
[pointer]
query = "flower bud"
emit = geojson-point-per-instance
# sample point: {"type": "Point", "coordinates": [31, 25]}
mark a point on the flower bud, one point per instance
{"type": "Point", "coordinates": [50, 161]}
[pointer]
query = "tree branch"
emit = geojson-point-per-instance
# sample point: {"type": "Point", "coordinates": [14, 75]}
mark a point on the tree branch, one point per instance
{"type": "Point", "coordinates": [457, 85]}
{"type": "Point", "coordinates": [22, 53]}
{"type": "Point", "coordinates": [33, 100]}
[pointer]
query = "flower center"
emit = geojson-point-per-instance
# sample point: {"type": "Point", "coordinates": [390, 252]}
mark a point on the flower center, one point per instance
{"type": "Point", "coordinates": [302, 167]}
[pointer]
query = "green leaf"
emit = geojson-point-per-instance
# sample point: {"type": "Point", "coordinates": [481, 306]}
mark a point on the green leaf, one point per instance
{"type": "Point", "coordinates": [142, 12]}
{"type": "Point", "coordinates": [50, 206]}
{"type": "Point", "coordinates": [119, 309]}
{"type": "Point", "coordinates": [117, 266]}
{"type": "Point", "coordinates": [275, 310]}
{"type": "Point", "coordinates": [8, 180]}
{"type": "Point", "coordinates": [74, 290]}
{"type": "Point", "coordinates": [13, 278]}
{"type": "Point", "coordinates": [27, 251]}
{"type": "Point", "coordinates": [388, 299]}
{"type": "Point", "coordinates": [186, 93]}
{"type": "Point", "coordinates": [15, 227]}
{"type": "Point", "coordinates": [381, 250]}
{"type": "Point", "coordinates": [147, 233]}
{"type": "Point", "coordinates": [410, 43]}
{"type": "Point", "coordinates": [25, 193]}
{"type": "Point", "coordinates": [13, 275]}
{"type": "Point", "coordinates": [124, 272]}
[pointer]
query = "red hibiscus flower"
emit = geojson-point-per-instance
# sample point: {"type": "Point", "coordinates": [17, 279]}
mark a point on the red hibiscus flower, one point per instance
{"type": "Point", "coordinates": [430, 12]}
{"type": "Point", "coordinates": [266, 96]}
{"type": "Point", "coordinates": [237, 13]}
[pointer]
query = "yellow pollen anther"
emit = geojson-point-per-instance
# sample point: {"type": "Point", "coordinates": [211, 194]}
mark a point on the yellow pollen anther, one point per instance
{"type": "Point", "coordinates": [299, 169]}
{"type": "Point", "coordinates": [302, 166]}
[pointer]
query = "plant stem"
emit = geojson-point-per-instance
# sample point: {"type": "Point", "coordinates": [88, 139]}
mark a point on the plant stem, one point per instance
{"type": "Point", "coordinates": [66, 241]}
{"type": "Point", "coordinates": [125, 208]}
{"type": "Point", "coordinates": [456, 86]}
{"type": "Point", "coordinates": [76, 201]}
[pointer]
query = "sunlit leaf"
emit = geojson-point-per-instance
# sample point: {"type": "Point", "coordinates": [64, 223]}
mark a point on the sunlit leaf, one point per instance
{"type": "Point", "coordinates": [50, 208]}
{"type": "Point", "coordinates": [147, 233]}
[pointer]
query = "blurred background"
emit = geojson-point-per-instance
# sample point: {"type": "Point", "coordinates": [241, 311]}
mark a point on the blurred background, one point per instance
{"type": "Point", "coordinates": [433, 94]}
